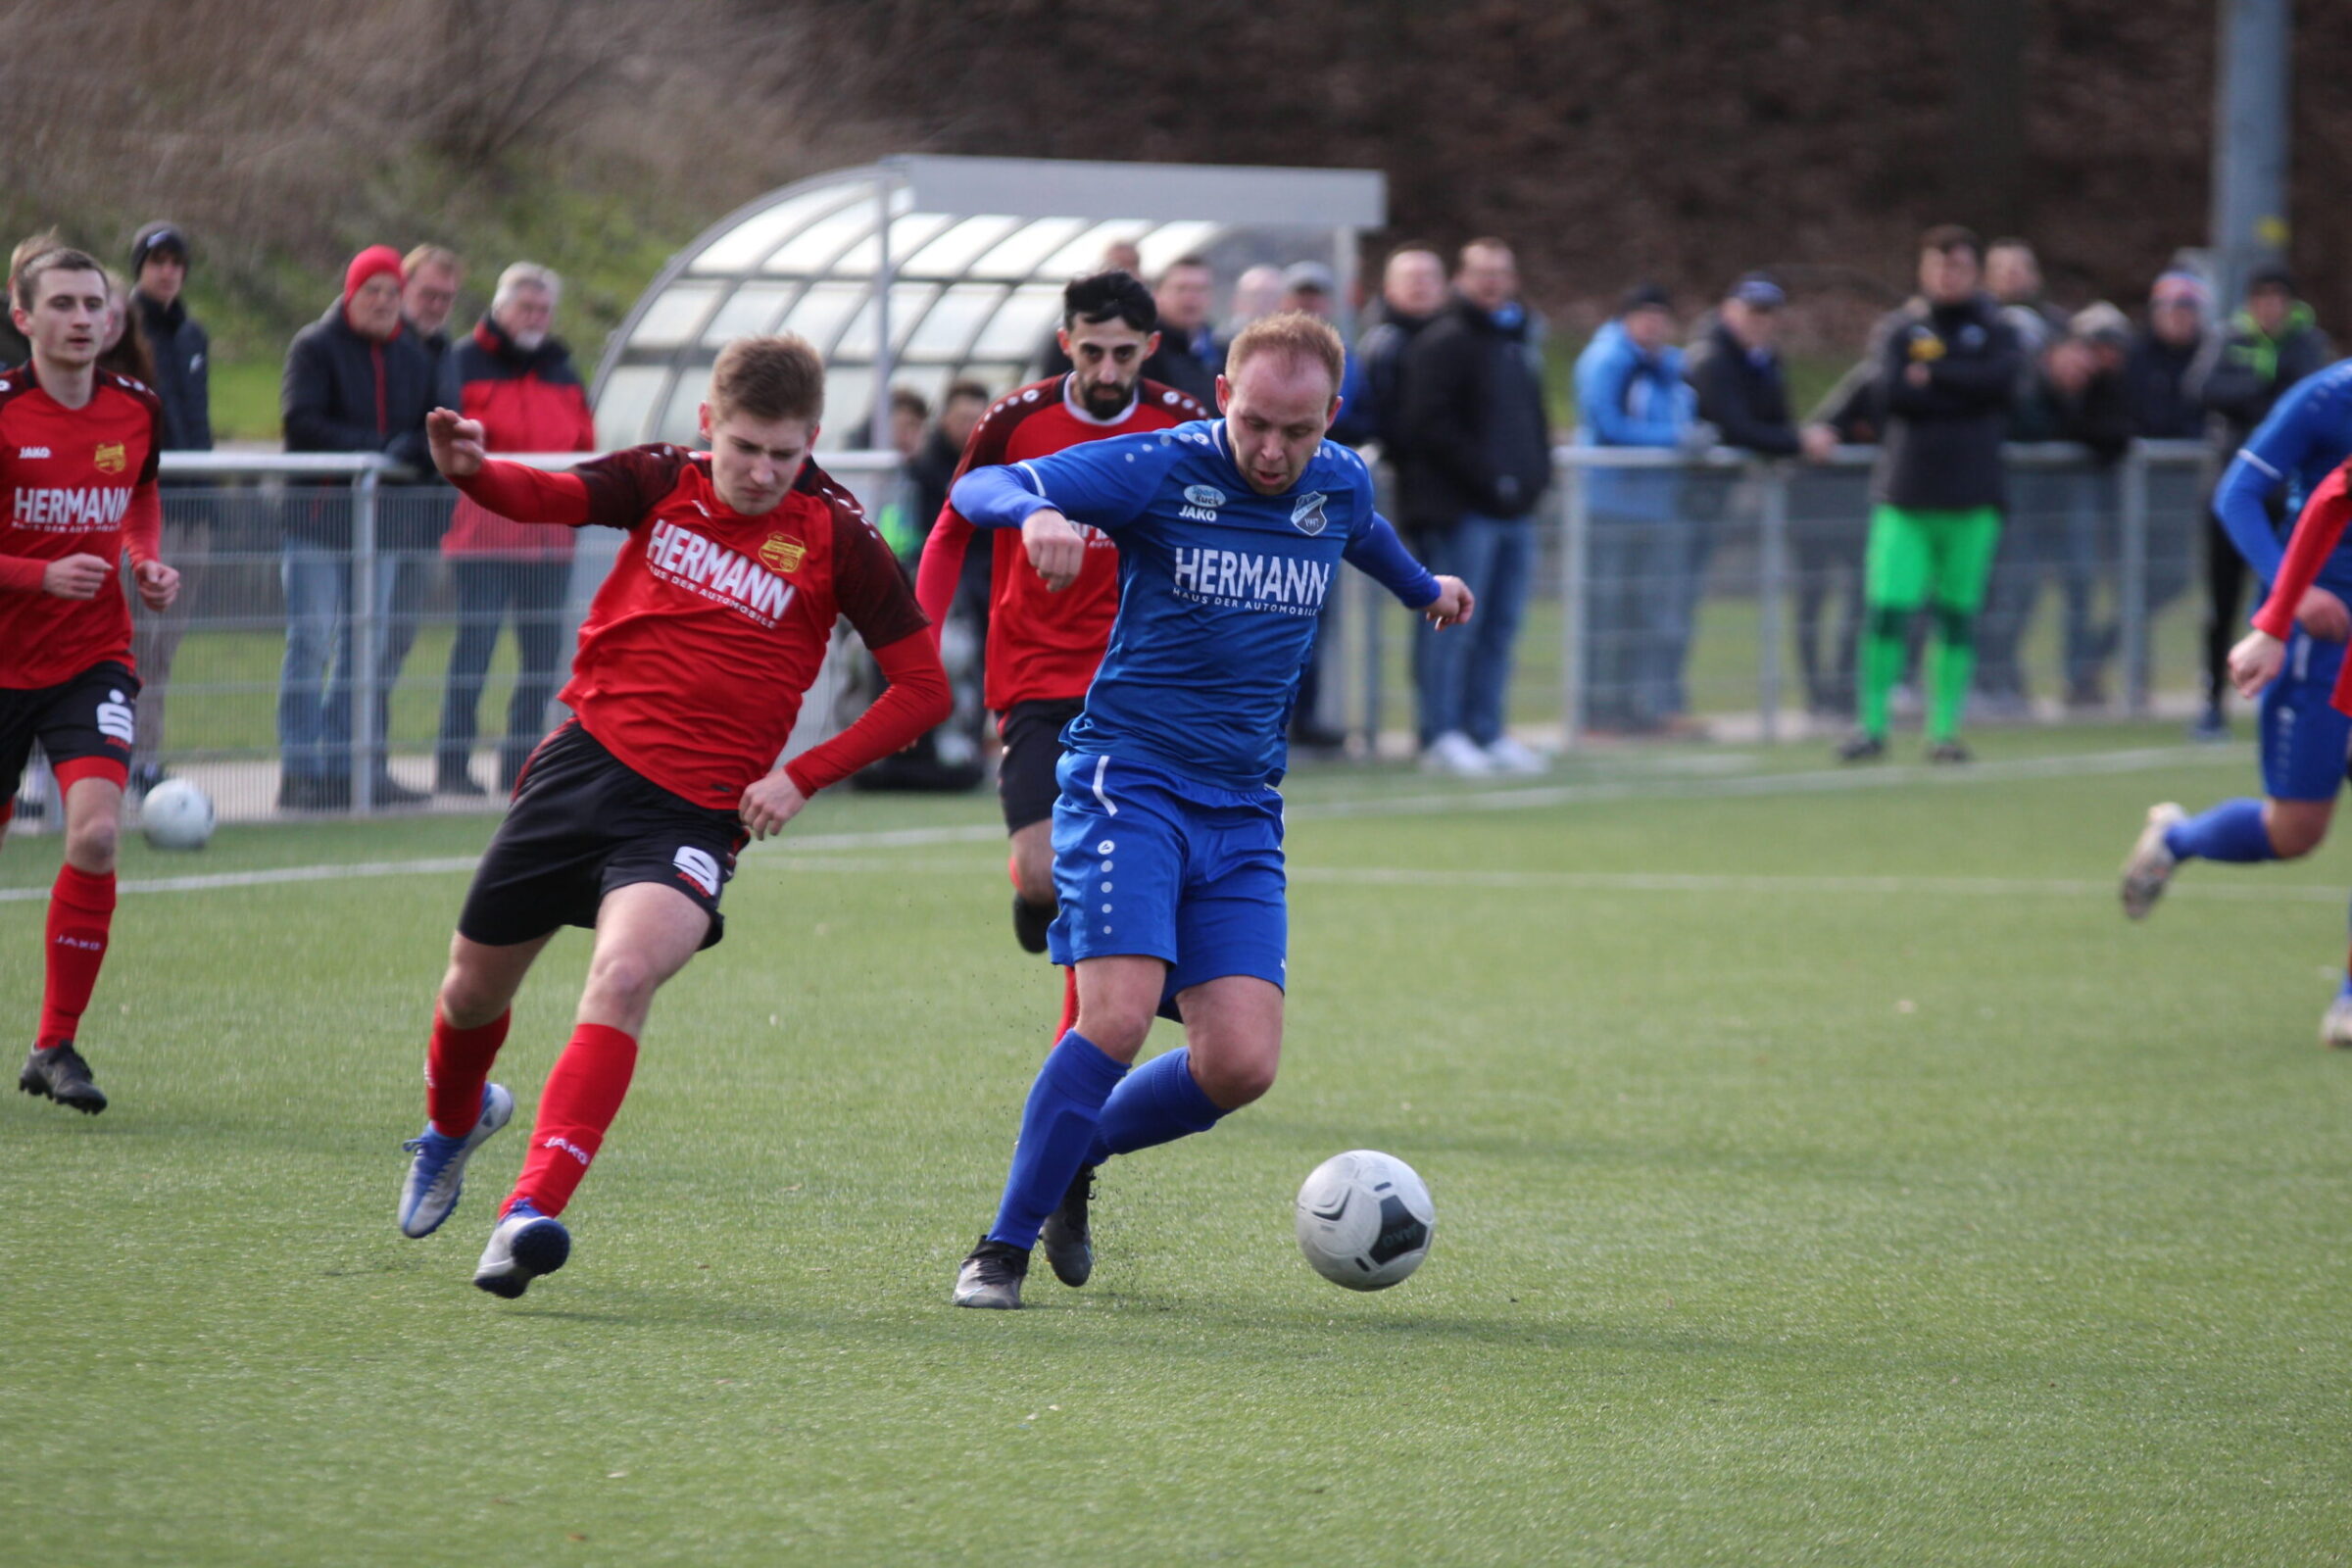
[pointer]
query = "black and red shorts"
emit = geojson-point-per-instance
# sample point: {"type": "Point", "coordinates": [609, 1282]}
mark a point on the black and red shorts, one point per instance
{"type": "Point", "coordinates": [583, 825]}
{"type": "Point", "coordinates": [85, 724]}
{"type": "Point", "coordinates": [1032, 735]}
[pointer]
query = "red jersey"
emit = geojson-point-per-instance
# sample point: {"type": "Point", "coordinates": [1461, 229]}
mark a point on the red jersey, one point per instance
{"type": "Point", "coordinates": [73, 482]}
{"type": "Point", "coordinates": [711, 626]}
{"type": "Point", "coordinates": [1042, 646]}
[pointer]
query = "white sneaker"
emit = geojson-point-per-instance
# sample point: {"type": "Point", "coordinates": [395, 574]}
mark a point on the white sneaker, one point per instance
{"type": "Point", "coordinates": [2149, 865]}
{"type": "Point", "coordinates": [525, 1245]}
{"type": "Point", "coordinates": [2335, 1027]}
{"type": "Point", "coordinates": [1456, 754]}
{"type": "Point", "coordinates": [1507, 756]}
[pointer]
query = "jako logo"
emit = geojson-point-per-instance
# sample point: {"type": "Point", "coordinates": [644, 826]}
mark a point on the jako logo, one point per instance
{"type": "Point", "coordinates": [697, 866]}
{"type": "Point", "coordinates": [569, 1147]}
{"type": "Point", "coordinates": [24, 453]}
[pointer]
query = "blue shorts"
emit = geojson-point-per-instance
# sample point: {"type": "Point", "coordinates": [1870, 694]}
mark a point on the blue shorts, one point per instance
{"type": "Point", "coordinates": [2304, 739]}
{"type": "Point", "coordinates": [1147, 862]}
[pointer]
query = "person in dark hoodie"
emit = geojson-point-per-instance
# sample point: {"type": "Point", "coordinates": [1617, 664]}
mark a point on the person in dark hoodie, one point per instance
{"type": "Point", "coordinates": [181, 353]}
{"type": "Point", "coordinates": [354, 382]}
{"type": "Point", "coordinates": [517, 379]}
{"type": "Point", "coordinates": [1947, 376]}
{"type": "Point", "coordinates": [1476, 461]}
{"type": "Point", "coordinates": [2271, 343]}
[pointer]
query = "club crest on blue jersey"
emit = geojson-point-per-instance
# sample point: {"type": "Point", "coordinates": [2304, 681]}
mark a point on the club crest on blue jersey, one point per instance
{"type": "Point", "coordinates": [1308, 516]}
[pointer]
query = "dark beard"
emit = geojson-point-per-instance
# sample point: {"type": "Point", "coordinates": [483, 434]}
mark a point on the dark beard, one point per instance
{"type": "Point", "coordinates": [1091, 399]}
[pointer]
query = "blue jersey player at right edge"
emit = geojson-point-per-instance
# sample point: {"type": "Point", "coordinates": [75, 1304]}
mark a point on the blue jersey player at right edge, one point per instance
{"type": "Point", "coordinates": [1167, 833]}
{"type": "Point", "coordinates": [2303, 739]}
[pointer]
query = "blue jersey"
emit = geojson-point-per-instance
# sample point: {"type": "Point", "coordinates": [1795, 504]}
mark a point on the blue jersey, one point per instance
{"type": "Point", "coordinates": [1219, 587]}
{"type": "Point", "coordinates": [2307, 437]}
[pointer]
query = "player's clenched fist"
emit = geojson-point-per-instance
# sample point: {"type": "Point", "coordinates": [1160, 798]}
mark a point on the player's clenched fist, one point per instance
{"type": "Point", "coordinates": [2254, 663]}
{"type": "Point", "coordinates": [769, 803]}
{"type": "Point", "coordinates": [1057, 549]}
{"type": "Point", "coordinates": [457, 443]}
{"type": "Point", "coordinates": [76, 577]}
{"type": "Point", "coordinates": [1452, 606]}
{"type": "Point", "coordinates": [158, 584]}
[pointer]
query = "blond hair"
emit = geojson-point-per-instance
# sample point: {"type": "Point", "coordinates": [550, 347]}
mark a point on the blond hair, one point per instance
{"type": "Point", "coordinates": [1297, 337]}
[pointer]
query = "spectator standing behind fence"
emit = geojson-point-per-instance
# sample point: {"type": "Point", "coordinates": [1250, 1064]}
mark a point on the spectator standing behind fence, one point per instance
{"type": "Point", "coordinates": [1257, 293]}
{"type": "Point", "coordinates": [1949, 372]}
{"type": "Point", "coordinates": [2272, 342]}
{"type": "Point", "coordinates": [1638, 595]}
{"type": "Point", "coordinates": [2013, 277]}
{"type": "Point", "coordinates": [1188, 357]}
{"type": "Point", "coordinates": [1478, 459]}
{"type": "Point", "coordinates": [182, 351]}
{"type": "Point", "coordinates": [517, 379]}
{"type": "Point", "coordinates": [354, 382]}
{"type": "Point", "coordinates": [1412, 291]}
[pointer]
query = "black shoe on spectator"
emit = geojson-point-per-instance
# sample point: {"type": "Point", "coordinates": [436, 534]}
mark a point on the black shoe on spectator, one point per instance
{"type": "Point", "coordinates": [1950, 753]}
{"type": "Point", "coordinates": [390, 792]}
{"type": "Point", "coordinates": [144, 777]}
{"type": "Point", "coordinates": [1861, 746]}
{"type": "Point", "coordinates": [2212, 725]}
{"type": "Point", "coordinates": [302, 792]}
{"type": "Point", "coordinates": [458, 782]}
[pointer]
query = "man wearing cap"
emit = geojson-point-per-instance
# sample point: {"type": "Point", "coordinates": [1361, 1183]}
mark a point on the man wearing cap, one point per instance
{"type": "Point", "coordinates": [354, 382]}
{"type": "Point", "coordinates": [159, 271]}
{"type": "Point", "coordinates": [1736, 371]}
{"type": "Point", "coordinates": [1630, 392]}
{"type": "Point", "coordinates": [2272, 342]}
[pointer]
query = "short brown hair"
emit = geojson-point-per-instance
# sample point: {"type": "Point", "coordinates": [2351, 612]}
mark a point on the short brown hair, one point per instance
{"type": "Point", "coordinates": [1953, 237]}
{"type": "Point", "coordinates": [61, 259]}
{"type": "Point", "coordinates": [779, 377]}
{"type": "Point", "coordinates": [906, 400]}
{"type": "Point", "coordinates": [31, 245]}
{"type": "Point", "coordinates": [431, 256]}
{"type": "Point", "coordinates": [962, 391]}
{"type": "Point", "coordinates": [1295, 335]}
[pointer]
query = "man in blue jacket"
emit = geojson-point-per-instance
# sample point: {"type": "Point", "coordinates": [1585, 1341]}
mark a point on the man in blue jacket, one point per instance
{"type": "Point", "coordinates": [1645, 555]}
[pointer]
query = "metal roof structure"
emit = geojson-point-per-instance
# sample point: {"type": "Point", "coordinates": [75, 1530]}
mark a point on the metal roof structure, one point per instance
{"type": "Point", "coordinates": [961, 280]}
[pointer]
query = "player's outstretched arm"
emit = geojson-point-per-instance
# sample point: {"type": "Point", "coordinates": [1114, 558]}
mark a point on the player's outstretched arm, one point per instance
{"type": "Point", "coordinates": [512, 490]}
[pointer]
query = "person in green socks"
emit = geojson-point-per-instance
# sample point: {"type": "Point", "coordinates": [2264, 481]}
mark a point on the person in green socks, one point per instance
{"type": "Point", "coordinates": [1949, 370]}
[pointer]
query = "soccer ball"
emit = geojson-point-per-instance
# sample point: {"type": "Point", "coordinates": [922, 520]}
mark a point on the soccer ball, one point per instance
{"type": "Point", "coordinates": [1366, 1220]}
{"type": "Point", "coordinates": [176, 815]}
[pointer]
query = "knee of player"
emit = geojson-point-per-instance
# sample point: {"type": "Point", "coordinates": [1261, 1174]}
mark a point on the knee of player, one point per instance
{"type": "Point", "coordinates": [467, 1002]}
{"type": "Point", "coordinates": [1234, 1079]}
{"type": "Point", "coordinates": [623, 976]}
{"type": "Point", "coordinates": [92, 844]}
{"type": "Point", "coordinates": [2293, 832]}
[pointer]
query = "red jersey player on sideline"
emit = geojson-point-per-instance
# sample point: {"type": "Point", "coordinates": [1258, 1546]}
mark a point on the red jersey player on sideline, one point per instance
{"type": "Point", "coordinates": [691, 667]}
{"type": "Point", "coordinates": [1043, 646]}
{"type": "Point", "coordinates": [78, 455]}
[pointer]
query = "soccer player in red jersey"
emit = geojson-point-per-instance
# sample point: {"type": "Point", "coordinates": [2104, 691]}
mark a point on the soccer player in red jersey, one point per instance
{"type": "Point", "coordinates": [77, 460]}
{"type": "Point", "coordinates": [1043, 647]}
{"type": "Point", "coordinates": [692, 665]}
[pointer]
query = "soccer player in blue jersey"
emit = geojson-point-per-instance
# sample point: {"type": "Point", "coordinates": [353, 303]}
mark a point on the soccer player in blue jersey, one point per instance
{"type": "Point", "coordinates": [1167, 833]}
{"type": "Point", "coordinates": [2303, 739]}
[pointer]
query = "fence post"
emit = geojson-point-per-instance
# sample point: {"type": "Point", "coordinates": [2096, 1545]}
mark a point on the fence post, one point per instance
{"type": "Point", "coordinates": [2131, 588]}
{"type": "Point", "coordinates": [1772, 590]}
{"type": "Point", "coordinates": [366, 645]}
{"type": "Point", "coordinates": [1575, 562]}
{"type": "Point", "coordinates": [1369, 650]}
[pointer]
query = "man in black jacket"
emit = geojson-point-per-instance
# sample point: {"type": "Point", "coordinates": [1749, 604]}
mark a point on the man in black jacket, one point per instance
{"type": "Point", "coordinates": [1476, 461]}
{"type": "Point", "coordinates": [354, 382]}
{"type": "Point", "coordinates": [1412, 291]}
{"type": "Point", "coordinates": [182, 354]}
{"type": "Point", "coordinates": [1947, 375]}
{"type": "Point", "coordinates": [1743, 387]}
{"type": "Point", "coordinates": [2271, 344]}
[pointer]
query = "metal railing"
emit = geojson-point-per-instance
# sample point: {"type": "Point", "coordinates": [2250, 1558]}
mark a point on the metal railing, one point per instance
{"type": "Point", "coordinates": [1764, 562]}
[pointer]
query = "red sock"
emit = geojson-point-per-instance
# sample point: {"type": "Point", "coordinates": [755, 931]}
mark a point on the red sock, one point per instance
{"type": "Point", "coordinates": [582, 1096]}
{"type": "Point", "coordinates": [1069, 1004]}
{"type": "Point", "coordinates": [82, 906]}
{"type": "Point", "coordinates": [456, 1066]}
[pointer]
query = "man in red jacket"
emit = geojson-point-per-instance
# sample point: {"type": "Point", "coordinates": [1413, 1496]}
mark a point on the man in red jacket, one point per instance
{"type": "Point", "coordinates": [517, 382]}
{"type": "Point", "coordinates": [734, 565]}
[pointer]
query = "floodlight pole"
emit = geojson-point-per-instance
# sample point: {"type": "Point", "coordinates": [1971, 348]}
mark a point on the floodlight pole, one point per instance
{"type": "Point", "coordinates": [2249, 143]}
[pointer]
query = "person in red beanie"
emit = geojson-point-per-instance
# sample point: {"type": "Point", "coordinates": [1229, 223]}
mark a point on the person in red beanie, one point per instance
{"type": "Point", "coordinates": [354, 382]}
{"type": "Point", "coordinates": [78, 466]}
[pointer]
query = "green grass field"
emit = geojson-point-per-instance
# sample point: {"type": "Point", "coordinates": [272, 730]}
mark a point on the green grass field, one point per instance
{"type": "Point", "coordinates": [1826, 1173]}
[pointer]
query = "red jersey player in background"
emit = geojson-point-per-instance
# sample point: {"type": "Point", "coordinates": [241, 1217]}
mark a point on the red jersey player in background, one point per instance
{"type": "Point", "coordinates": [1043, 646]}
{"type": "Point", "coordinates": [77, 458]}
{"type": "Point", "coordinates": [691, 667]}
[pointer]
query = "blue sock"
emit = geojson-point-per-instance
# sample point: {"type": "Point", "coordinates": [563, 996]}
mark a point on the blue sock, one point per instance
{"type": "Point", "coordinates": [1058, 1127]}
{"type": "Point", "coordinates": [2231, 831]}
{"type": "Point", "coordinates": [1158, 1104]}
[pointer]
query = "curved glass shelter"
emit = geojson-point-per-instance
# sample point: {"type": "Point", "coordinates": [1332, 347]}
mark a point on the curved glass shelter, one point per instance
{"type": "Point", "coordinates": [915, 272]}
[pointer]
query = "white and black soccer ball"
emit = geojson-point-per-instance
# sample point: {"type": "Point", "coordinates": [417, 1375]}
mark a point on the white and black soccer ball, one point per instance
{"type": "Point", "coordinates": [1366, 1220]}
{"type": "Point", "coordinates": [176, 815]}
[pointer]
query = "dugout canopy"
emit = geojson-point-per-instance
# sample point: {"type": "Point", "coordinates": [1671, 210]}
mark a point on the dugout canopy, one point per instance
{"type": "Point", "coordinates": [961, 280]}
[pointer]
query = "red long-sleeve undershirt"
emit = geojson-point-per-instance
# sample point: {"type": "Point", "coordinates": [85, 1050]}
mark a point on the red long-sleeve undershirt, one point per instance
{"type": "Point", "coordinates": [2317, 532]}
{"type": "Point", "coordinates": [524, 493]}
{"type": "Point", "coordinates": [941, 568]}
